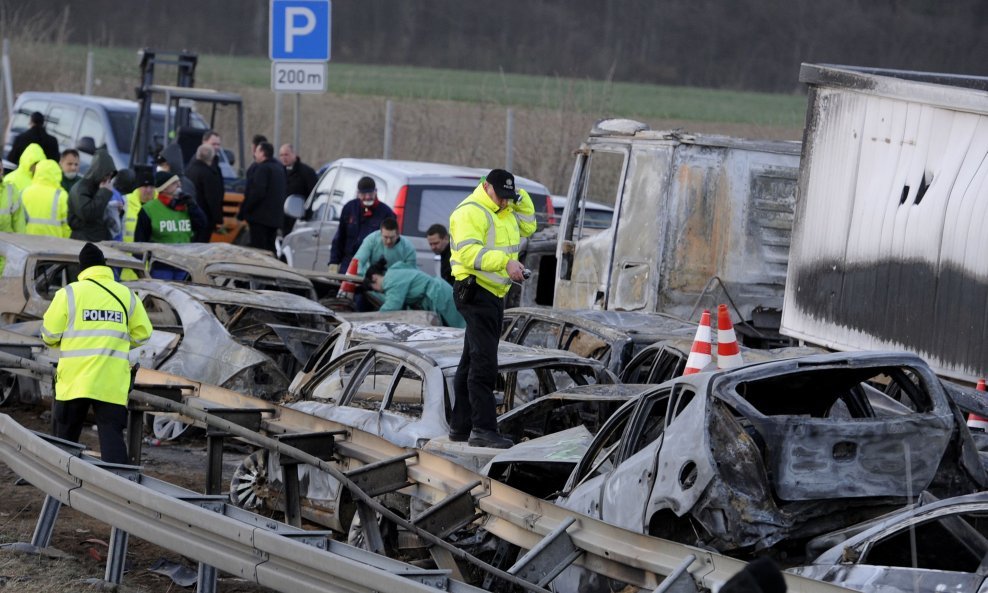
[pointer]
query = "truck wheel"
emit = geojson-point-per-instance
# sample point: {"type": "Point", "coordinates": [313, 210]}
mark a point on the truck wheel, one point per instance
{"type": "Point", "coordinates": [250, 488]}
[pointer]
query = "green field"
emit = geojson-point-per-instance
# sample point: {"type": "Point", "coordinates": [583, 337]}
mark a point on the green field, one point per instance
{"type": "Point", "coordinates": [617, 98]}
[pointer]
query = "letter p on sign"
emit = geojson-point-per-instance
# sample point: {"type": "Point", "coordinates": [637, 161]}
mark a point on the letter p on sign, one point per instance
{"type": "Point", "coordinates": [293, 15]}
{"type": "Point", "coordinates": [299, 30]}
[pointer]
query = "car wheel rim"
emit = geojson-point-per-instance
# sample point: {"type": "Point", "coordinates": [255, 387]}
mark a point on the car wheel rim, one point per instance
{"type": "Point", "coordinates": [167, 429]}
{"type": "Point", "coordinates": [250, 488]}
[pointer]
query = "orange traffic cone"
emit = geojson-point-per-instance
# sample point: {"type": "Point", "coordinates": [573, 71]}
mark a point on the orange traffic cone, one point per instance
{"type": "Point", "coordinates": [700, 352]}
{"type": "Point", "coordinates": [348, 288]}
{"type": "Point", "coordinates": [728, 351]}
{"type": "Point", "coordinates": [975, 421]}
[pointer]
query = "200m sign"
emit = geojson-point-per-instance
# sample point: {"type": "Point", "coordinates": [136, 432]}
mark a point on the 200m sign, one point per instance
{"type": "Point", "coordinates": [298, 77]}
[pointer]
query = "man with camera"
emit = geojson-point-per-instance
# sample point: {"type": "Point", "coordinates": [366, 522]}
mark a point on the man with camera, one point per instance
{"type": "Point", "coordinates": [171, 217]}
{"type": "Point", "coordinates": [485, 232]}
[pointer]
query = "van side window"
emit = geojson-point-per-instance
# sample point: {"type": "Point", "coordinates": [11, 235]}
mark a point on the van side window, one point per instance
{"type": "Point", "coordinates": [61, 123]}
{"type": "Point", "coordinates": [22, 118]}
{"type": "Point", "coordinates": [599, 184]}
{"type": "Point", "coordinates": [92, 127]}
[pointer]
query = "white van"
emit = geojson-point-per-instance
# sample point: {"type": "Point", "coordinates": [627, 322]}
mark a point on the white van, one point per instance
{"type": "Point", "coordinates": [85, 123]}
{"type": "Point", "coordinates": [421, 194]}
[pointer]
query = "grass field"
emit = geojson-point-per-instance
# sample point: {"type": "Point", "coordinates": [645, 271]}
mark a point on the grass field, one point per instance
{"type": "Point", "coordinates": [446, 116]}
{"type": "Point", "coordinates": [399, 82]}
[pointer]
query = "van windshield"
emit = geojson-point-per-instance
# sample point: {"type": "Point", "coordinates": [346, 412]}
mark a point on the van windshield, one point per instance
{"type": "Point", "coordinates": [123, 122]}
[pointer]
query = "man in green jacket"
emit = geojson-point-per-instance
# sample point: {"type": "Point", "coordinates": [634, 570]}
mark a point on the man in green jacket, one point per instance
{"type": "Point", "coordinates": [387, 244]}
{"type": "Point", "coordinates": [407, 287]}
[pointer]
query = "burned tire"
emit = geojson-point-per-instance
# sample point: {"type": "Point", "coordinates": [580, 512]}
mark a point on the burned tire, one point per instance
{"type": "Point", "coordinates": [250, 488]}
{"type": "Point", "coordinates": [8, 388]}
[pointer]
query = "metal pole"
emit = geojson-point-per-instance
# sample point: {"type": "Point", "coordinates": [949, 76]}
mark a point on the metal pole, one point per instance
{"type": "Point", "coordinates": [277, 119]}
{"type": "Point", "coordinates": [509, 141]}
{"type": "Point", "coordinates": [389, 110]}
{"type": "Point", "coordinates": [89, 72]}
{"type": "Point", "coordinates": [8, 84]}
{"type": "Point", "coordinates": [298, 115]}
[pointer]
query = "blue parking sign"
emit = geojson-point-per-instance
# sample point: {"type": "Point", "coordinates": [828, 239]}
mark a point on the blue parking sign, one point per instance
{"type": "Point", "coordinates": [300, 30]}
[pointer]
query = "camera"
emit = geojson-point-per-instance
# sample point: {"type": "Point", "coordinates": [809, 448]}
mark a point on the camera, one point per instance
{"type": "Point", "coordinates": [526, 273]}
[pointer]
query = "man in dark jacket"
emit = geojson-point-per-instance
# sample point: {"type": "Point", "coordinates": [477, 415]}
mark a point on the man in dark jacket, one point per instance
{"type": "Point", "coordinates": [360, 217]}
{"type": "Point", "coordinates": [204, 171]}
{"type": "Point", "coordinates": [301, 180]}
{"type": "Point", "coordinates": [35, 134]}
{"type": "Point", "coordinates": [264, 198]}
{"type": "Point", "coordinates": [88, 200]}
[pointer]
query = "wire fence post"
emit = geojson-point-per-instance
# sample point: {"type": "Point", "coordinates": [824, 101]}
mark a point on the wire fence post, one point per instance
{"type": "Point", "coordinates": [89, 73]}
{"type": "Point", "coordinates": [8, 83]}
{"type": "Point", "coordinates": [389, 110]}
{"type": "Point", "coordinates": [509, 141]}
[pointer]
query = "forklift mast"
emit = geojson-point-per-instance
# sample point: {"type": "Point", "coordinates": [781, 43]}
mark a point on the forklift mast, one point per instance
{"type": "Point", "coordinates": [142, 145]}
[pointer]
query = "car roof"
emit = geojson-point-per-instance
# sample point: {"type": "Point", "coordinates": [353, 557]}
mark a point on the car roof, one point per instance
{"type": "Point", "coordinates": [640, 326]}
{"type": "Point", "coordinates": [39, 245]}
{"type": "Point", "coordinates": [202, 256]}
{"type": "Point", "coordinates": [109, 103]}
{"type": "Point", "coordinates": [445, 353]}
{"type": "Point", "coordinates": [260, 299]}
{"type": "Point", "coordinates": [424, 172]}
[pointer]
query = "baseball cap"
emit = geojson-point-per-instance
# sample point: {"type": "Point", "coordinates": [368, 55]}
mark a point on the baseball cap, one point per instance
{"type": "Point", "coordinates": [503, 183]}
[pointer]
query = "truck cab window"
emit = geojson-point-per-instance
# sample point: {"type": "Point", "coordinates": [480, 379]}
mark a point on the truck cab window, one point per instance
{"type": "Point", "coordinates": [598, 191]}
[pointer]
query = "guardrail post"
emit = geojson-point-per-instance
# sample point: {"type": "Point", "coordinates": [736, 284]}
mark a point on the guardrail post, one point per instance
{"type": "Point", "coordinates": [206, 582]}
{"type": "Point", "coordinates": [249, 418]}
{"type": "Point", "coordinates": [317, 444]}
{"type": "Point", "coordinates": [116, 556]}
{"type": "Point", "coordinates": [45, 526]}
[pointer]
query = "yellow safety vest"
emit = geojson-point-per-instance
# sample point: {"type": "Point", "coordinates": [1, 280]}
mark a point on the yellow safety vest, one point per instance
{"type": "Point", "coordinates": [11, 210]}
{"type": "Point", "coordinates": [46, 204]}
{"type": "Point", "coordinates": [95, 332]}
{"type": "Point", "coordinates": [484, 239]}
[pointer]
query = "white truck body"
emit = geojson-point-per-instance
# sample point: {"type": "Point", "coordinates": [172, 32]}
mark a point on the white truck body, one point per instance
{"type": "Point", "coordinates": [888, 251]}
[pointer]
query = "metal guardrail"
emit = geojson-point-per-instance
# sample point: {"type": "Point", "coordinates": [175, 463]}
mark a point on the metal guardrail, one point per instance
{"type": "Point", "coordinates": [509, 514]}
{"type": "Point", "coordinates": [254, 552]}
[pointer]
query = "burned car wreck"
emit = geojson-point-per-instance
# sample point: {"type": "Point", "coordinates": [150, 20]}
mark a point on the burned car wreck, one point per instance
{"type": "Point", "coordinates": [770, 455]}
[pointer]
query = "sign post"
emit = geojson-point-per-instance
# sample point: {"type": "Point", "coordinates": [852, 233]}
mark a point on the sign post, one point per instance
{"type": "Point", "coordinates": [299, 48]}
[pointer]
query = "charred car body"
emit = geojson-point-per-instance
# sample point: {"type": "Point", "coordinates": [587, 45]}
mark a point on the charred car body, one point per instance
{"type": "Point", "coordinates": [404, 394]}
{"type": "Point", "coordinates": [769, 455]}
{"type": "Point", "coordinates": [612, 337]}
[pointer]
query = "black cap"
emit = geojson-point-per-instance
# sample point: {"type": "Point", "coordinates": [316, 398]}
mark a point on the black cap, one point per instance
{"type": "Point", "coordinates": [503, 183]}
{"type": "Point", "coordinates": [161, 177]}
{"type": "Point", "coordinates": [366, 184]}
{"type": "Point", "coordinates": [91, 256]}
{"type": "Point", "coordinates": [144, 175]}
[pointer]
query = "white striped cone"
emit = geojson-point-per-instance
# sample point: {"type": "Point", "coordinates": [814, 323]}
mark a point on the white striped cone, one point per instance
{"type": "Point", "coordinates": [700, 352]}
{"type": "Point", "coordinates": [728, 351]}
{"type": "Point", "coordinates": [975, 421]}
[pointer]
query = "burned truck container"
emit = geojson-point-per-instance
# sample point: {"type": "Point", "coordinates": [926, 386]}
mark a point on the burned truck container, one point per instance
{"type": "Point", "coordinates": [888, 251]}
{"type": "Point", "coordinates": [688, 210]}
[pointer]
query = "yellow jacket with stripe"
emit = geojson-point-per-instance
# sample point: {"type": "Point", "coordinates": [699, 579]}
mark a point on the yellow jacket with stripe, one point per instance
{"type": "Point", "coordinates": [46, 203]}
{"type": "Point", "coordinates": [95, 332]}
{"type": "Point", "coordinates": [483, 239]}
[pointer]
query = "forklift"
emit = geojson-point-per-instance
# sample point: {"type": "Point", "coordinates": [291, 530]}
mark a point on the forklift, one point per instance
{"type": "Point", "coordinates": [179, 101]}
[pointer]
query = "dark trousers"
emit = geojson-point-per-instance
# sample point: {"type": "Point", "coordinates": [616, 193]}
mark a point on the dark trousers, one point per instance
{"type": "Point", "coordinates": [263, 236]}
{"type": "Point", "coordinates": [473, 385]}
{"type": "Point", "coordinates": [111, 419]}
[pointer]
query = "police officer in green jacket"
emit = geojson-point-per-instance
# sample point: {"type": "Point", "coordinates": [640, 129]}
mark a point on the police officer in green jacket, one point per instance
{"type": "Point", "coordinates": [94, 321]}
{"type": "Point", "coordinates": [172, 217]}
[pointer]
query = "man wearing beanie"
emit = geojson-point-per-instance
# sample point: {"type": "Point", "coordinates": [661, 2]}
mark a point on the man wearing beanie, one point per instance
{"type": "Point", "coordinates": [360, 217]}
{"type": "Point", "coordinates": [94, 321]}
{"type": "Point", "coordinates": [172, 217]}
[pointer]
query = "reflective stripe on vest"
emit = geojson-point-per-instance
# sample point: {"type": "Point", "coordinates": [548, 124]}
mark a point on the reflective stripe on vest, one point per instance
{"type": "Point", "coordinates": [54, 221]}
{"type": "Point", "coordinates": [489, 246]}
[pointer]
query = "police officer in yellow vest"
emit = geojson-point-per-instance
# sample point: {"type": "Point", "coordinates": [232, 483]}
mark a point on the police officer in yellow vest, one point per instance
{"type": "Point", "coordinates": [11, 205]}
{"type": "Point", "coordinates": [136, 199]}
{"type": "Point", "coordinates": [46, 203]}
{"type": "Point", "coordinates": [95, 321]}
{"type": "Point", "coordinates": [485, 232]}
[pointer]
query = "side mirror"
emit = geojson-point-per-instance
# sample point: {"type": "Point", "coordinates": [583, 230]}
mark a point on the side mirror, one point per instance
{"type": "Point", "coordinates": [87, 145]}
{"type": "Point", "coordinates": [295, 206]}
{"type": "Point", "coordinates": [229, 156]}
